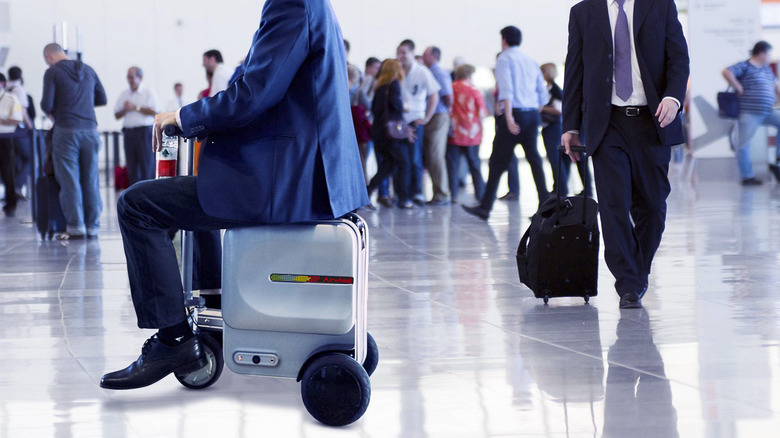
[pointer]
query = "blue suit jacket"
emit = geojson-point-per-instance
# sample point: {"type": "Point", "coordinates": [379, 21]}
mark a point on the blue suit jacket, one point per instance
{"type": "Point", "coordinates": [663, 61]}
{"type": "Point", "coordinates": [280, 142]}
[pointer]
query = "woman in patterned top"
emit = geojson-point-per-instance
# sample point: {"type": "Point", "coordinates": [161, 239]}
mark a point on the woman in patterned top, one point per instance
{"type": "Point", "coordinates": [468, 110]}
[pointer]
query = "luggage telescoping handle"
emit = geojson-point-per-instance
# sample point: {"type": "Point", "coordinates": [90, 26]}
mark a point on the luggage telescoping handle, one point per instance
{"type": "Point", "coordinates": [186, 236]}
{"type": "Point", "coordinates": [586, 189]}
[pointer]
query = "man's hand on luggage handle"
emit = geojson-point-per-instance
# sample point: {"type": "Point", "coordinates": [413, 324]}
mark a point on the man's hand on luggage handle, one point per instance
{"type": "Point", "coordinates": [160, 122]}
{"type": "Point", "coordinates": [568, 140]}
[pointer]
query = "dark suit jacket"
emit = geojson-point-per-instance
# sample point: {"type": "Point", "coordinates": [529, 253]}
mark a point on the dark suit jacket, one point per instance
{"type": "Point", "coordinates": [662, 53]}
{"type": "Point", "coordinates": [281, 146]}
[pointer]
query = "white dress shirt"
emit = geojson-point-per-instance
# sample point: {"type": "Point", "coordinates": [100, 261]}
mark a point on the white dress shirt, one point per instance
{"type": "Point", "coordinates": [638, 97]}
{"type": "Point", "coordinates": [415, 89]}
{"type": "Point", "coordinates": [142, 98]}
{"type": "Point", "coordinates": [219, 81]}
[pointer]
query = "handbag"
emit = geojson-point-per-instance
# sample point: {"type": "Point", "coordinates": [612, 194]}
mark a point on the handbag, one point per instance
{"type": "Point", "coordinates": [728, 104]}
{"type": "Point", "coordinates": [397, 129]}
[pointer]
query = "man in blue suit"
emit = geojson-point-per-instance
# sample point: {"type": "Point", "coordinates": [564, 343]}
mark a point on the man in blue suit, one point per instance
{"type": "Point", "coordinates": [280, 148]}
{"type": "Point", "coordinates": [626, 74]}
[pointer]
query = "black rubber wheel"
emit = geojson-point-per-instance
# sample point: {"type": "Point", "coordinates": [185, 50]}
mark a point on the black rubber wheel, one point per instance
{"type": "Point", "coordinates": [335, 389]}
{"type": "Point", "coordinates": [209, 374]}
{"type": "Point", "coordinates": [372, 355]}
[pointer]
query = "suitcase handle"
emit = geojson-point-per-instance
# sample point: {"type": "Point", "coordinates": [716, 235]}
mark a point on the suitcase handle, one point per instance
{"type": "Point", "coordinates": [586, 191]}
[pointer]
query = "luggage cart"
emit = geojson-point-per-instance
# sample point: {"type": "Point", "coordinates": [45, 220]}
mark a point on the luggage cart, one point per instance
{"type": "Point", "coordinates": [294, 305]}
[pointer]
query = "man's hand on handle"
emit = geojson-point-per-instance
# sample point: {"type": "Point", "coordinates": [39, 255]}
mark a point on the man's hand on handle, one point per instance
{"type": "Point", "coordinates": [160, 122]}
{"type": "Point", "coordinates": [568, 140]}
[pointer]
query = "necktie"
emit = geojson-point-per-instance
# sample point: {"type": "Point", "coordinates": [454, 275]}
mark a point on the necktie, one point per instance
{"type": "Point", "coordinates": [624, 85]}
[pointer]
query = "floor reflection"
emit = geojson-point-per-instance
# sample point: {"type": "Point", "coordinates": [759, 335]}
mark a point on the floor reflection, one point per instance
{"type": "Point", "coordinates": [638, 400]}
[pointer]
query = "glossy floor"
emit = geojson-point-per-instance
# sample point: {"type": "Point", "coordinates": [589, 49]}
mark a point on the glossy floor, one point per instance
{"type": "Point", "coordinates": [465, 350]}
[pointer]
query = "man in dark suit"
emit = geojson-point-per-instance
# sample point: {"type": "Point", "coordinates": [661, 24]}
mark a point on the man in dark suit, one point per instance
{"type": "Point", "coordinates": [626, 75]}
{"type": "Point", "coordinates": [281, 148]}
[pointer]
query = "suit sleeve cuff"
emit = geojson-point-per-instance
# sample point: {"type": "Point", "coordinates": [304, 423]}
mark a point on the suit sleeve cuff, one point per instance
{"type": "Point", "coordinates": [178, 118]}
{"type": "Point", "coordinates": [679, 106]}
{"type": "Point", "coordinates": [573, 131]}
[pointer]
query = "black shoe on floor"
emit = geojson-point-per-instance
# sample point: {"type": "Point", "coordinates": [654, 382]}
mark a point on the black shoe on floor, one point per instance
{"type": "Point", "coordinates": [508, 197]}
{"type": "Point", "coordinates": [477, 211]}
{"type": "Point", "coordinates": [631, 300]}
{"type": "Point", "coordinates": [775, 169]}
{"type": "Point", "coordinates": [751, 182]}
{"type": "Point", "coordinates": [385, 201]}
{"type": "Point", "coordinates": [438, 203]}
{"type": "Point", "coordinates": [156, 361]}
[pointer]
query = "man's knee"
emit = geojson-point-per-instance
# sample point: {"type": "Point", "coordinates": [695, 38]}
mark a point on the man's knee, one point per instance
{"type": "Point", "coordinates": [132, 199]}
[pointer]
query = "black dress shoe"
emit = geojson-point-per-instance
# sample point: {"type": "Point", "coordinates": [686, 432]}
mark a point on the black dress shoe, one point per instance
{"type": "Point", "coordinates": [477, 211]}
{"type": "Point", "coordinates": [752, 182]}
{"type": "Point", "coordinates": [156, 361]}
{"type": "Point", "coordinates": [508, 197]}
{"type": "Point", "coordinates": [630, 300]}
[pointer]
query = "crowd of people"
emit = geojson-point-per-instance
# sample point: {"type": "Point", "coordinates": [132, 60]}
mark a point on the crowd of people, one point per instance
{"type": "Point", "coordinates": [418, 116]}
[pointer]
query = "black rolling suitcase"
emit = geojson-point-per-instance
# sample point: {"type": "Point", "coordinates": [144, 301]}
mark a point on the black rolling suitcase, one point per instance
{"type": "Point", "coordinates": [559, 253]}
{"type": "Point", "coordinates": [49, 218]}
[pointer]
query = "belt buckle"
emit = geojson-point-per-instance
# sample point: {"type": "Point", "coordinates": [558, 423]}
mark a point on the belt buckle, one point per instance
{"type": "Point", "coordinates": [632, 111]}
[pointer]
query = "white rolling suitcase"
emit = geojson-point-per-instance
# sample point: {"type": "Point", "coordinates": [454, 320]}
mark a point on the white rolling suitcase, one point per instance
{"type": "Point", "coordinates": [294, 305]}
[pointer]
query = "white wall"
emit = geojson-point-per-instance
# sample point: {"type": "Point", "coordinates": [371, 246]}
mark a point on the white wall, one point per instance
{"type": "Point", "coordinates": [167, 37]}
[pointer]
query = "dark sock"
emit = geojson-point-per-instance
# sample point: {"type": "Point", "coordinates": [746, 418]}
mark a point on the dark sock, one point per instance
{"type": "Point", "coordinates": [177, 334]}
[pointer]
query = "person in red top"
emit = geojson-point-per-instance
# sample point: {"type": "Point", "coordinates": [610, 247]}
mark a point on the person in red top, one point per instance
{"type": "Point", "coordinates": [468, 110]}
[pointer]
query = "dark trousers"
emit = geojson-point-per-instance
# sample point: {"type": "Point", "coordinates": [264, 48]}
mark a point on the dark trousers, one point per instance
{"type": "Point", "coordinates": [148, 211]}
{"type": "Point", "coordinates": [418, 167]}
{"type": "Point", "coordinates": [552, 140]}
{"type": "Point", "coordinates": [396, 160]}
{"type": "Point", "coordinates": [504, 148]}
{"type": "Point", "coordinates": [7, 173]}
{"type": "Point", "coordinates": [23, 160]}
{"type": "Point", "coordinates": [513, 175]}
{"type": "Point", "coordinates": [631, 167]}
{"type": "Point", "coordinates": [471, 153]}
{"type": "Point", "coordinates": [139, 154]}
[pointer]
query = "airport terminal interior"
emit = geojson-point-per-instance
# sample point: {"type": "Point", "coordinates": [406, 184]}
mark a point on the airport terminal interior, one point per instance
{"type": "Point", "coordinates": [465, 350]}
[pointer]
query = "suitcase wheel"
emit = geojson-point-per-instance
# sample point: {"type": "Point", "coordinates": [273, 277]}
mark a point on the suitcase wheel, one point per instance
{"type": "Point", "coordinates": [372, 355]}
{"type": "Point", "coordinates": [209, 374]}
{"type": "Point", "coordinates": [335, 389]}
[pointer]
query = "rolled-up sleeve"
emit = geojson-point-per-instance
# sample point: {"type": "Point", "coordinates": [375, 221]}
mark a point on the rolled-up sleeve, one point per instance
{"type": "Point", "coordinates": [506, 89]}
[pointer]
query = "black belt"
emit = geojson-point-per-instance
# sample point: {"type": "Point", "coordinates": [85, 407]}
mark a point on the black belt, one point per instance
{"type": "Point", "coordinates": [630, 111]}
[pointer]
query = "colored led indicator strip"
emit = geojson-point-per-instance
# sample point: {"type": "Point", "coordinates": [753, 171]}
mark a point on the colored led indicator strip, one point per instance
{"type": "Point", "coordinates": [320, 279]}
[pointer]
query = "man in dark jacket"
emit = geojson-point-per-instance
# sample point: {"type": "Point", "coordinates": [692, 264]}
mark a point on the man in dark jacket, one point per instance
{"type": "Point", "coordinates": [281, 148]}
{"type": "Point", "coordinates": [71, 91]}
{"type": "Point", "coordinates": [626, 76]}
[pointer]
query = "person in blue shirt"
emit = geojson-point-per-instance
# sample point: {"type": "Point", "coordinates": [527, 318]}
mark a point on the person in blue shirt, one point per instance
{"type": "Point", "coordinates": [522, 90]}
{"type": "Point", "coordinates": [757, 88]}
{"type": "Point", "coordinates": [280, 148]}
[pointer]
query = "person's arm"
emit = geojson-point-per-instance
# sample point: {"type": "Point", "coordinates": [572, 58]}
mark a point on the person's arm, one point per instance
{"type": "Point", "coordinates": [677, 69]}
{"type": "Point", "coordinates": [506, 92]}
{"type": "Point", "coordinates": [541, 90]}
{"type": "Point", "coordinates": [122, 106]}
{"type": "Point", "coordinates": [395, 97]}
{"type": "Point", "coordinates": [433, 101]}
{"type": "Point", "coordinates": [446, 92]}
{"type": "Point", "coordinates": [572, 96]}
{"type": "Point", "coordinates": [100, 93]}
{"type": "Point", "coordinates": [731, 78]}
{"type": "Point", "coordinates": [47, 95]}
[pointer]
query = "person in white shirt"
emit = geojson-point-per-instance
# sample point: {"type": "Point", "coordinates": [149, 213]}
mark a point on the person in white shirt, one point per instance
{"type": "Point", "coordinates": [420, 92]}
{"type": "Point", "coordinates": [177, 101]}
{"type": "Point", "coordinates": [10, 118]}
{"type": "Point", "coordinates": [138, 106]}
{"type": "Point", "coordinates": [23, 142]}
{"type": "Point", "coordinates": [214, 64]}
